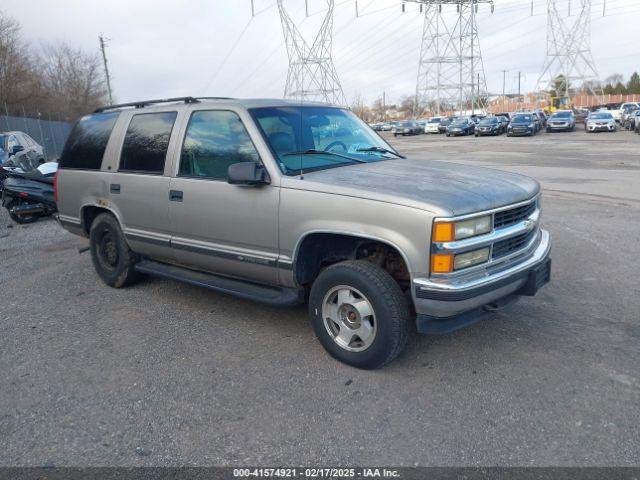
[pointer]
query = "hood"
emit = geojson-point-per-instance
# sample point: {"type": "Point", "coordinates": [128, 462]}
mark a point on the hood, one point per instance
{"type": "Point", "coordinates": [446, 189]}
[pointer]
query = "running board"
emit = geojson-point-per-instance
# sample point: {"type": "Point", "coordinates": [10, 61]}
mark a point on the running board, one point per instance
{"type": "Point", "coordinates": [250, 291]}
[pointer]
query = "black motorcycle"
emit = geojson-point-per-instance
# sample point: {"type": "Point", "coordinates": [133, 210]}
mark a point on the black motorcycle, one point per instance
{"type": "Point", "coordinates": [27, 196]}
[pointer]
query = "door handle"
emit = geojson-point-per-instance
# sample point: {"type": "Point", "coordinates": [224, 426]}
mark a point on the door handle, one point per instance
{"type": "Point", "coordinates": [175, 195]}
{"type": "Point", "coordinates": [114, 188]}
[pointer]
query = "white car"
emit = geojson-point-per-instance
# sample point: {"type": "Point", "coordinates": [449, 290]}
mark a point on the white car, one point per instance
{"type": "Point", "coordinates": [433, 125]}
{"type": "Point", "coordinates": [600, 122]}
{"type": "Point", "coordinates": [623, 108]}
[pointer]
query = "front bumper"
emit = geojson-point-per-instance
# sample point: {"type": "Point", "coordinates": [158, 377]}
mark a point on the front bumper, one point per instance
{"type": "Point", "coordinates": [521, 131]}
{"type": "Point", "coordinates": [444, 304]}
{"type": "Point", "coordinates": [601, 128]}
{"type": "Point", "coordinates": [560, 127]}
{"type": "Point", "coordinates": [456, 133]}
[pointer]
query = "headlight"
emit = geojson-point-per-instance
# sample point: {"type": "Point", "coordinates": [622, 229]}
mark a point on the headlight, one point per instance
{"type": "Point", "coordinates": [469, 259]}
{"type": "Point", "coordinates": [447, 263]}
{"type": "Point", "coordinates": [450, 231]}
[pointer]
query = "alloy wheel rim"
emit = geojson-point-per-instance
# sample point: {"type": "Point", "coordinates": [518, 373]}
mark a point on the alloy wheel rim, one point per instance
{"type": "Point", "coordinates": [349, 318]}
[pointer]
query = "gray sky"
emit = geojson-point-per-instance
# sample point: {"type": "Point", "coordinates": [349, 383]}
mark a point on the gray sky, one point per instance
{"type": "Point", "coordinates": [166, 48]}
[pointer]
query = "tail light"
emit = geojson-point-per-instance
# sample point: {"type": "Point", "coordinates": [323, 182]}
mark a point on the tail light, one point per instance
{"type": "Point", "coordinates": [55, 186]}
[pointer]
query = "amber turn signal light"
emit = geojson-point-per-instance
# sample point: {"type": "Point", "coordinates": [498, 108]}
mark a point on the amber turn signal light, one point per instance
{"type": "Point", "coordinates": [444, 232]}
{"type": "Point", "coordinates": [442, 263]}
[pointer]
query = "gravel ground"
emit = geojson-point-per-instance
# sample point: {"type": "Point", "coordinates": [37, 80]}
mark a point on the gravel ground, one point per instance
{"type": "Point", "coordinates": [168, 374]}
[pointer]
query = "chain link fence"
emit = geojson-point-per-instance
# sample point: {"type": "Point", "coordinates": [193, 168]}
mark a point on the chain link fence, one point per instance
{"type": "Point", "coordinates": [51, 134]}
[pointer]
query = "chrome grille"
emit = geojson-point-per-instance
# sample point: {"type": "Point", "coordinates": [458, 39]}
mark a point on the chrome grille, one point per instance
{"type": "Point", "coordinates": [514, 215]}
{"type": "Point", "coordinates": [510, 245]}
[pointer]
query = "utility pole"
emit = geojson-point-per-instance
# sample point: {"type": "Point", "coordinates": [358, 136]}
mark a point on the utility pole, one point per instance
{"type": "Point", "coordinates": [106, 67]}
{"type": "Point", "coordinates": [384, 105]}
{"type": "Point", "coordinates": [504, 81]}
{"type": "Point", "coordinates": [519, 78]}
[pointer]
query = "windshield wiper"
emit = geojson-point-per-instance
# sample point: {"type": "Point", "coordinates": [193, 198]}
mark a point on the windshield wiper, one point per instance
{"type": "Point", "coordinates": [323, 152]}
{"type": "Point", "coordinates": [380, 149]}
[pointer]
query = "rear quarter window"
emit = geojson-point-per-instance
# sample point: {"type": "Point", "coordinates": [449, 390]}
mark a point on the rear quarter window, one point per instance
{"type": "Point", "coordinates": [87, 141]}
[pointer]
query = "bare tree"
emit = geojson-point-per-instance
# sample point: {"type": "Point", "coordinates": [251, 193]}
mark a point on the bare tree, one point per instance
{"type": "Point", "coordinates": [18, 84]}
{"type": "Point", "coordinates": [361, 109]}
{"type": "Point", "coordinates": [73, 80]}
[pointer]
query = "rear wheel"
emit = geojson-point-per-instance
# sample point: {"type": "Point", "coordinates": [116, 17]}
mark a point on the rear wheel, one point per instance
{"type": "Point", "coordinates": [359, 314]}
{"type": "Point", "coordinates": [21, 219]}
{"type": "Point", "coordinates": [112, 258]}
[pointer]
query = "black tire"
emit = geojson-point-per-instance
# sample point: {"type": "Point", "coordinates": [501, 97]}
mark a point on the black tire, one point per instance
{"type": "Point", "coordinates": [112, 258]}
{"type": "Point", "coordinates": [21, 219]}
{"type": "Point", "coordinates": [389, 304]}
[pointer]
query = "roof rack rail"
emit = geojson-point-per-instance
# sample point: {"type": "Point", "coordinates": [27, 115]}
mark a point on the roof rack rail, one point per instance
{"type": "Point", "coordinates": [145, 103]}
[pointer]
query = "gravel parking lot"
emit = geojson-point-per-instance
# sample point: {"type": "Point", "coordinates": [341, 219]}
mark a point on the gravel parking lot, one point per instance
{"type": "Point", "coordinates": [168, 374]}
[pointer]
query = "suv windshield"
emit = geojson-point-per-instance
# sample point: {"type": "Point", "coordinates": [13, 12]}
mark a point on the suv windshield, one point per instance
{"type": "Point", "coordinates": [522, 118]}
{"type": "Point", "coordinates": [460, 121]}
{"type": "Point", "coordinates": [562, 115]}
{"type": "Point", "coordinates": [601, 116]}
{"type": "Point", "coordinates": [489, 121]}
{"type": "Point", "coordinates": [305, 139]}
{"type": "Point", "coordinates": [435, 120]}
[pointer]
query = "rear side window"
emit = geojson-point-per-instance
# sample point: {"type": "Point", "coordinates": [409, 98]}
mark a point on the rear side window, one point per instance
{"type": "Point", "coordinates": [88, 140]}
{"type": "Point", "coordinates": [146, 142]}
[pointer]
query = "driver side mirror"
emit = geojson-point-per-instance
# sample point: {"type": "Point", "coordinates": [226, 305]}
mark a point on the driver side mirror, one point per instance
{"type": "Point", "coordinates": [247, 173]}
{"type": "Point", "coordinates": [16, 149]}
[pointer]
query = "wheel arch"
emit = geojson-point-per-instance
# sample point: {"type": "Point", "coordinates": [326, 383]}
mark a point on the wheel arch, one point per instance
{"type": "Point", "coordinates": [309, 258]}
{"type": "Point", "coordinates": [89, 212]}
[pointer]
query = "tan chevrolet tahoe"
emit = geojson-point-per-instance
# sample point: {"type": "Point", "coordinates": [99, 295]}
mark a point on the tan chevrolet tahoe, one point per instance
{"type": "Point", "coordinates": [283, 203]}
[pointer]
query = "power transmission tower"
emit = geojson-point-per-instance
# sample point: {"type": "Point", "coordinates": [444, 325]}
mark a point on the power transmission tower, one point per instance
{"type": "Point", "coordinates": [106, 67]}
{"type": "Point", "coordinates": [450, 69]}
{"type": "Point", "coordinates": [312, 75]}
{"type": "Point", "coordinates": [569, 62]}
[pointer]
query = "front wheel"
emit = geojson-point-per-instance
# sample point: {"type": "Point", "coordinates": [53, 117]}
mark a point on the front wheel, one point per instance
{"type": "Point", "coordinates": [359, 314]}
{"type": "Point", "coordinates": [112, 258]}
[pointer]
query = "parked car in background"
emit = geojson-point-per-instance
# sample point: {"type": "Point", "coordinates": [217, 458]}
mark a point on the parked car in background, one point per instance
{"type": "Point", "coordinates": [407, 128]}
{"type": "Point", "coordinates": [563, 120]}
{"type": "Point", "coordinates": [504, 122]}
{"type": "Point", "coordinates": [444, 123]}
{"type": "Point", "coordinates": [387, 127]}
{"type": "Point", "coordinates": [538, 121]}
{"type": "Point", "coordinates": [12, 143]}
{"type": "Point", "coordinates": [625, 108]}
{"type": "Point", "coordinates": [522, 124]}
{"type": "Point", "coordinates": [626, 118]}
{"type": "Point", "coordinates": [376, 127]}
{"type": "Point", "coordinates": [461, 126]}
{"type": "Point", "coordinates": [543, 118]}
{"type": "Point", "coordinates": [226, 195]}
{"type": "Point", "coordinates": [581, 115]}
{"type": "Point", "coordinates": [489, 126]}
{"type": "Point", "coordinates": [600, 122]}
{"type": "Point", "coordinates": [634, 120]}
{"type": "Point", "coordinates": [433, 125]}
